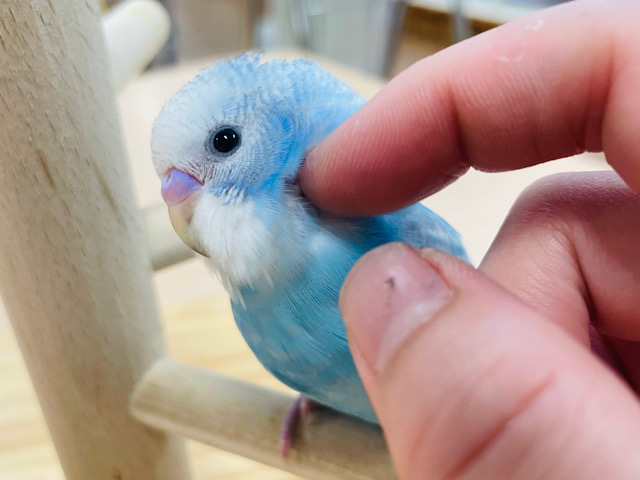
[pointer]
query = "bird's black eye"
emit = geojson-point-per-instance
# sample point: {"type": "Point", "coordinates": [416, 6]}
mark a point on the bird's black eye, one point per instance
{"type": "Point", "coordinates": [225, 140]}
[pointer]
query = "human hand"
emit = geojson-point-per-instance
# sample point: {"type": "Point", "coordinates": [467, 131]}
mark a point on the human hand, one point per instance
{"type": "Point", "coordinates": [501, 372]}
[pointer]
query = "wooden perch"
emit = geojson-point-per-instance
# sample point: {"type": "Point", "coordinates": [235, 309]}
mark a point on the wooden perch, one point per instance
{"type": "Point", "coordinates": [135, 31]}
{"type": "Point", "coordinates": [245, 419]}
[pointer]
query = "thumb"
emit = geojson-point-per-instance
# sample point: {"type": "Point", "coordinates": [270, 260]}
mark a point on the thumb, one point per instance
{"type": "Point", "coordinates": [469, 382]}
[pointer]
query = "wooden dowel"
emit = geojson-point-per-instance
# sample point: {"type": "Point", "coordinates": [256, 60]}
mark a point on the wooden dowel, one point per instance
{"type": "Point", "coordinates": [245, 419]}
{"type": "Point", "coordinates": [135, 31]}
{"type": "Point", "coordinates": [74, 269]}
{"type": "Point", "coordinates": [165, 247]}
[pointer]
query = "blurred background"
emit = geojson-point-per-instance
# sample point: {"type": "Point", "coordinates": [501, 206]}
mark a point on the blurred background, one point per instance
{"type": "Point", "coordinates": [381, 37]}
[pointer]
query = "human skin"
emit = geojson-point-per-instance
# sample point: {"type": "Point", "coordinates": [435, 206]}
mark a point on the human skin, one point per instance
{"type": "Point", "coordinates": [529, 366]}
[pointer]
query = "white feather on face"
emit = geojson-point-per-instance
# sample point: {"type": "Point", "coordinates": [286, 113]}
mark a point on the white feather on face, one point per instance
{"type": "Point", "coordinates": [242, 249]}
{"type": "Point", "coordinates": [240, 245]}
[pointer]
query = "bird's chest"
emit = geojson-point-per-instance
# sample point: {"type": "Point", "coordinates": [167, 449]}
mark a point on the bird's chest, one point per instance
{"type": "Point", "coordinates": [296, 333]}
{"type": "Point", "coordinates": [294, 325]}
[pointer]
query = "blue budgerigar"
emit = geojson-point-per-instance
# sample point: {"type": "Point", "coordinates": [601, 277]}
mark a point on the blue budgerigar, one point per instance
{"type": "Point", "coordinates": [228, 146]}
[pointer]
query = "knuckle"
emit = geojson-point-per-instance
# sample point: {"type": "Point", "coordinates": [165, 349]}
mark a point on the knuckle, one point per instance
{"type": "Point", "coordinates": [565, 201]}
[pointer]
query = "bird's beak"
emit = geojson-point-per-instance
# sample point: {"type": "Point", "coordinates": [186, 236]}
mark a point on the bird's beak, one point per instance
{"type": "Point", "coordinates": [181, 193]}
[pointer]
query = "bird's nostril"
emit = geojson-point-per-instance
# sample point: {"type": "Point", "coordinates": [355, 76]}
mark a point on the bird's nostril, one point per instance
{"type": "Point", "coordinates": [177, 186]}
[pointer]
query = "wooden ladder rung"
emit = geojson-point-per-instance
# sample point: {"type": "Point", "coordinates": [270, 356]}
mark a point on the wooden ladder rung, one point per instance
{"type": "Point", "coordinates": [245, 419]}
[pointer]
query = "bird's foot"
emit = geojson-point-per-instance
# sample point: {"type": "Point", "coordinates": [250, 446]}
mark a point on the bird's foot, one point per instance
{"type": "Point", "coordinates": [297, 412]}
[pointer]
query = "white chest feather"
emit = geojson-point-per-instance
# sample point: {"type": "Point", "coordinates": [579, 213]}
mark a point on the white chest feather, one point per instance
{"type": "Point", "coordinates": [247, 244]}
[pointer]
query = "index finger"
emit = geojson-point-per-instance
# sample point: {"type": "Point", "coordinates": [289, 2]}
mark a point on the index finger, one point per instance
{"type": "Point", "coordinates": [557, 83]}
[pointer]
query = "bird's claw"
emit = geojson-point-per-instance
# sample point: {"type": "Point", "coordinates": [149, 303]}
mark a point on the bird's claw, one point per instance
{"type": "Point", "coordinates": [299, 409]}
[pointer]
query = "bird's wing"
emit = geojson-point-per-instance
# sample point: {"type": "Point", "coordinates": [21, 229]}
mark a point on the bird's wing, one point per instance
{"type": "Point", "coordinates": [415, 225]}
{"type": "Point", "coordinates": [421, 227]}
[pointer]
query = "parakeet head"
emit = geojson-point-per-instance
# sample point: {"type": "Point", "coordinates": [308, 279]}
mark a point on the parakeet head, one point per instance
{"type": "Point", "coordinates": [229, 144]}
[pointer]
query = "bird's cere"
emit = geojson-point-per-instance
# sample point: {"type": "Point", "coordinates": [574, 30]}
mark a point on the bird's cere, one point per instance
{"type": "Point", "coordinates": [177, 186]}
